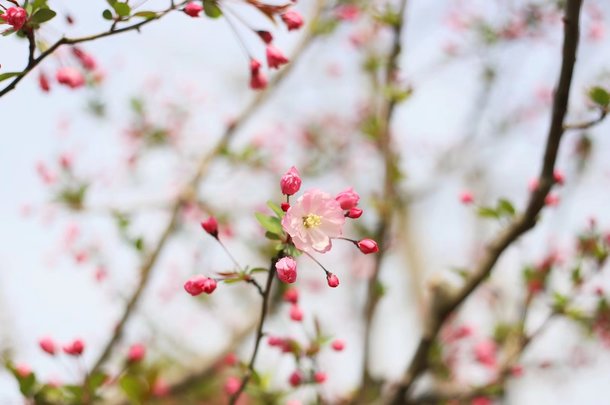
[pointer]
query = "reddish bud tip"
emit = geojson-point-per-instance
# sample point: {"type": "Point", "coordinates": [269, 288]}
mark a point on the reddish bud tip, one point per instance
{"type": "Point", "coordinates": [348, 199]}
{"type": "Point", "coordinates": [368, 246]}
{"type": "Point", "coordinates": [291, 295]}
{"type": "Point", "coordinates": [332, 280]}
{"type": "Point", "coordinates": [559, 177]}
{"type": "Point", "coordinates": [75, 348]}
{"type": "Point", "coordinates": [295, 378]}
{"type": "Point", "coordinates": [285, 207]}
{"type": "Point", "coordinates": [292, 19]}
{"type": "Point", "coordinates": [338, 345]}
{"type": "Point", "coordinates": [290, 182]}
{"type": "Point", "coordinates": [319, 377]}
{"type": "Point", "coordinates": [200, 284]}
{"type": "Point", "coordinates": [265, 36]}
{"type": "Point", "coordinates": [136, 353]}
{"type": "Point", "coordinates": [286, 269]}
{"type": "Point", "coordinates": [193, 9]}
{"type": "Point", "coordinates": [210, 225]}
{"type": "Point", "coordinates": [354, 213]}
{"type": "Point", "coordinates": [295, 313]}
{"type": "Point", "coordinates": [48, 345]}
{"type": "Point", "coordinates": [466, 197]}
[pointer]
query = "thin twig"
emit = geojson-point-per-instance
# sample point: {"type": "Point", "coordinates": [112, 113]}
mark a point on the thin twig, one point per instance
{"type": "Point", "coordinates": [588, 124]}
{"type": "Point", "coordinates": [521, 223]}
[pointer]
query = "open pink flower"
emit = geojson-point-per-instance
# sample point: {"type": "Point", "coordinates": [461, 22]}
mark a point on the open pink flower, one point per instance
{"type": "Point", "coordinates": [313, 220]}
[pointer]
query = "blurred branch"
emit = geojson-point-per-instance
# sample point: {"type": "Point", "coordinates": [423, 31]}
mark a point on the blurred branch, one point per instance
{"type": "Point", "coordinates": [522, 223]}
{"type": "Point", "coordinates": [33, 62]}
{"type": "Point", "coordinates": [190, 190]}
{"type": "Point", "coordinates": [390, 198]}
{"type": "Point", "coordinates": [603, 112]}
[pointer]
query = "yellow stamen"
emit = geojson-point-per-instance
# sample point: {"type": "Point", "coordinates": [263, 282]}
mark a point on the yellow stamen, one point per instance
{"type": "Point", "coordinates": [312, 220]}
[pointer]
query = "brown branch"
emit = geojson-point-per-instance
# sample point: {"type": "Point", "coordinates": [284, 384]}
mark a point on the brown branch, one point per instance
{"type": "Point", "coordinates": [33, 62]}
{"type": "Point", "coordinates": [192, 187]}
{"type": "Point", "coordinates": [389, 193]}
{"type": "Point", "coordinates": [521, 223]}
{"type": "Point", "coordinates": [259, 329]}
{"type": "Point", "coordinates": [603, 112]}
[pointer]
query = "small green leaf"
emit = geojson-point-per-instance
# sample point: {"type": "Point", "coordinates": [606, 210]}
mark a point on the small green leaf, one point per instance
{"type": "Point", "coordinates": [96, 380]}
{"type": "Point", "coordinates": [272, 236]}
{"type": "Point", "coordinates": [122, 9]}
{"type": "Point", "coordinates": [146, 14]}
{"type": "Point", "coordinates": [211, 8]}
{"type": "Point", "coordinates": [599, 96]}
{"type": "Point", "coordinates": [488, 212]}
{"type": "Point", "coordinates": [139, 244]}
{"type": "Point", "coordinates": [107, 14]}
{"type": "Point", "coordinates": [133, 387]}
{"type": "Point", "coordinates": [271, 224]}
{"type": "Point", "coordinates": [506, 208]}
{"type": "Point", "coordinates": [42, 15]}
{"type": "Point", "coordinates": [275, 208]}
{"type": "Point", "coordinates": [8, 75]}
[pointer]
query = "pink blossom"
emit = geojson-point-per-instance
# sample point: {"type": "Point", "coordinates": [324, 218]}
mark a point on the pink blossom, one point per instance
{"type": "Point", "coordinates": [313, 220]}
{"type": "Point", "coordinates": [86, 60]}
{"type": "Point", "coordinates": [296, 314]}
{"type": "Point", "coordinates": [43, 82]}
{"type": "Point", "coordinates": [286, 269]}
{"type": "Point", "coordinates": [136, 353]}
{"type": "Point", "coordinates": [291, 295]}
{"type": "Point", "coordinates": [15, 16]}
{"type": "Point", "coordinates": [368, 246]}
{"type": "Point", "coordinates": [348, 199]}
{"type": "Point", "coordinates": [193, 9]}
{"type": "Point", "coordinates": [295, 378]}
{"type": "Point", "coordinates": [48, 345]}
{"type": "Point", "coordinates": [200, 284]}
{"type": "Point", "coordinates": [74, 348]}
{"type": "Point", "coordinates": [23, 370]}
{"type": "Point", "coordinates": [354, 213]}
{"type": "Point", "coordinates": [232, 385]}
{"type": "Point", "coordinates": [332, 280]}
{"type": "Point", "coordinates": [292, 19]}
{"type": "Point", "coordinates": [275, 57]}
{"type": "Point", "coordinates": [347, 12]}
{"type": "Point", "coordinates": [210, 225]}
{"type": "Point", "coordinates": [466, 197]}
{"type": "Point", "coordinates": [485, 353]}
{"type": "Point", "coordinates": [70, 77]}
{"type": "Point", "coordinates": [319, 377]}
{"type": "Point", "coordinates": [338, 345]}
{"type": "Point", "coordinates": [290, 182]}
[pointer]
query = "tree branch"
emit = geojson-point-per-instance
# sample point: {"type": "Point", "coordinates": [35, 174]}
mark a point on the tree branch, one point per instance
{"type": "Point", "coordinates": [521, 223]}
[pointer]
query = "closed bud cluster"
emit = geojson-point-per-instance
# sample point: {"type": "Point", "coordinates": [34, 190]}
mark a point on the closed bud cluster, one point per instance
{"type": "Point", "coordinates": [74, 348]}
{"type": "Point", "coordinates": [15, 17]}
{"type": "Point", "coordinates": [200, 284]}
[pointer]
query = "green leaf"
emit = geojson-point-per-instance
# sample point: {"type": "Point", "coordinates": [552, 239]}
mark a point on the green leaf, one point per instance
{"type": "Point", "coordinates": [211, 9]}
{"type": "Point", "coordinates": [275, 208]}
{"type": "Point", "coordinates": [96, 380]}
{"type": "Point", "coordinates": [599, 96]}
{"type": "Point", "coordinates": [146, 14]}
{"type": "Point", "coordinates": [505, 207]}
{"type": "Point", "coordinates": [139, 244]}
{"type": "Point", "coordinates": [488, 212]}
{"type": "Point", "coordinates": [133, 387]}
{"type": "Point", "coordinates": [8, 75]}
{"type": "Point", "coordinates": [107, 14]}
{"type": "Point", "coordinates": [272, 236]}
{"type": "Point", "coordinates": [42, 15]}
{"type": "Point", "coordinates": [122, 9]}
{"type": "Point", "coordinates": [271, 224]}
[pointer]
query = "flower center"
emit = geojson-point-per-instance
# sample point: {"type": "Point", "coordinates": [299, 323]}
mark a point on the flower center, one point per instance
{"type": "Point", "coordinates": [312, 220]}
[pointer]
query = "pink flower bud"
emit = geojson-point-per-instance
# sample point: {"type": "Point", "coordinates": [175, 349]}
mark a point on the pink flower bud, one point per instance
{"type": "Point", "coordinates": [295, 378]}
{"type": "Point", "coordinates": [43, 82]}
{"type": "Point", "coordinates": [75, 348]}
{"type": "Point", "coordinates": [258, 80]}
{"type": "Point", "coordinates": [559, 177]}
{"type": "Point", "coordinates": [485, 353]}
{"type": "Point", "coordinates": [319, 377]}
{"type": "Point", "coordinates": [160, 388]}
{"type": "Point", "coordinates": [368, 246]}
{"type": "Point", "coordinates": [295, 313]}
{"type": "Point", "coordinates": [291, 295]}
{"type": "Point", "coordinates": [533, 185]}
{"type": "Point", "coordinates": [70, 77]}
{"type": "Point", "coordinates": [193, 9]}
{"type": "Point", "coordinates": [481, 401]}
{"type": "Point", "coordinates": [348, 199]}
{"type": "Point", "coordinates": [285, 206]}
{"type": "Point", "coordinates": [210, 225]}
{"type": "Point", "coordinates": [48, 345]}
{"type": "Point", "coordinates": [286, 269]}
{"type": "Point", "coordinates": [354, 213]}
{"type": "Point", "coordinates": [338, 345]}
{"type": "Point", "coordinates": [274, 341]}
{"type": "Point", "coordinates": [551, 200]}
{"type": "Point", "coordinates": [86, 60]}
{"type": "Point", "coordinates": [200, 284]}
{"type": "Point", "coordinates": [466, 197]}
{"type": "Point", "coordinates": [516, 370]}
{"type": "Point", "coordinates": [347, 12]}
{"type": "Point", "coordinates": [136, 353]}
{"type": "Point", "coordinates": [332, 280]}
{"type": "Point", "coordinates": [15, 16]}
{"type": "Point", "coordinates": [291, 181]}
{"type": "Point", "coordinates": [230, 359]}
{"type": "Point", "coordinates": [275, 57]}
{"type": "Point", "coordinates": [23, 370]}
{"type": "Point", "coordinates": [292, 19]}
{"type": "Point", "coordinates": [232, 385]}
{"type": "Point", "coordinates": [265, 36]}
